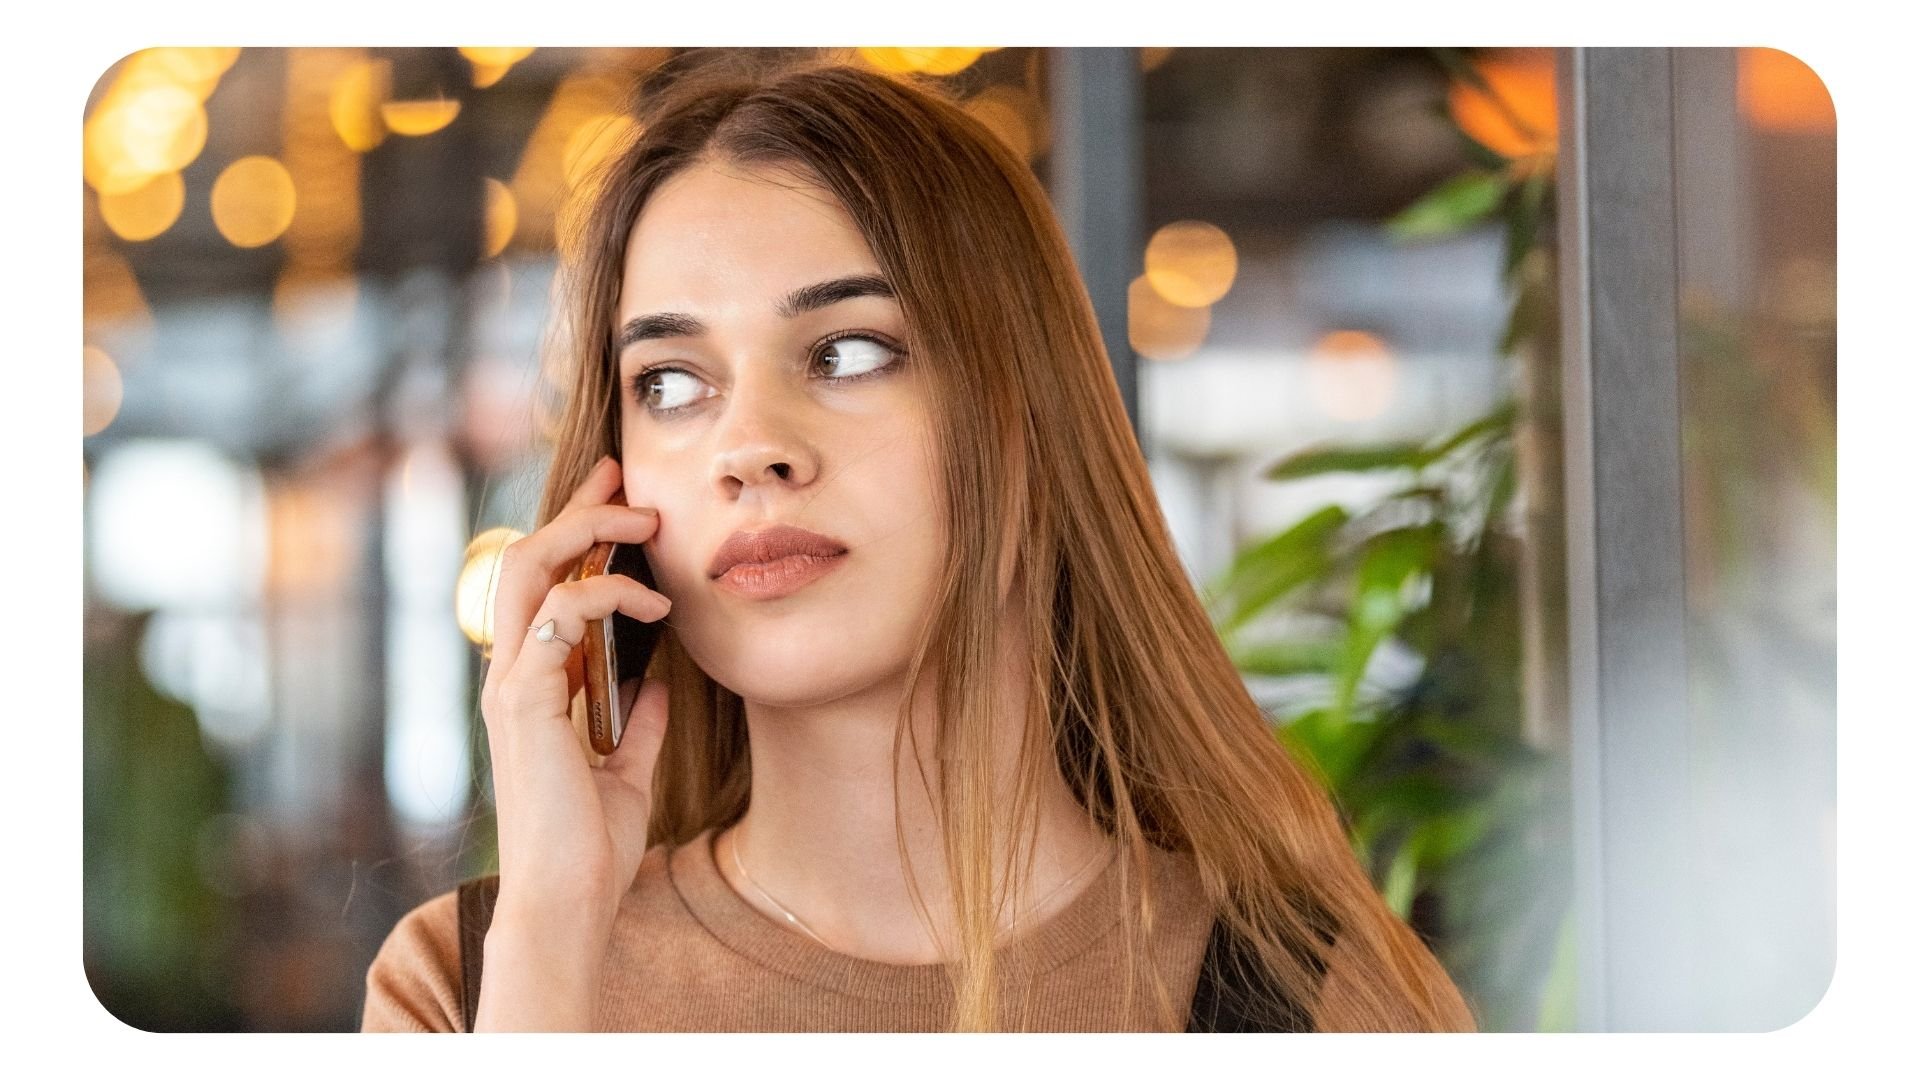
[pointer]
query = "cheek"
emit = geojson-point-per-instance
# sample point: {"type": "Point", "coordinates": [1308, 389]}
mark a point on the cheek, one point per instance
{"type": "Point", "coordinates": [669, 552]}
{"type": "Point", "coordinates": [901, 487]}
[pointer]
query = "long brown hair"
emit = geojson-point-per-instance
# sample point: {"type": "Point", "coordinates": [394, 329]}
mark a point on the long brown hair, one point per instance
{"type": "Point", "coordinates": [1130, 689]}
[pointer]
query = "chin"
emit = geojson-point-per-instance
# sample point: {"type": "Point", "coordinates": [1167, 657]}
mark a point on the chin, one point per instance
{"type": "Point", "coordinates": [808, 659]}
{"type": "Point", "coordinates": [788, 685]}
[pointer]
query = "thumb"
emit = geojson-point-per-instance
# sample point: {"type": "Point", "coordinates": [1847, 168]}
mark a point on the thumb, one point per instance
{"type": "Point", "coordinates": [633, 760]}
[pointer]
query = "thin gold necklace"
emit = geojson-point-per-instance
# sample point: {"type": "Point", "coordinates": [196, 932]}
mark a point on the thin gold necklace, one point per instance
{"type": "Point", "coordinates": [808, 930]}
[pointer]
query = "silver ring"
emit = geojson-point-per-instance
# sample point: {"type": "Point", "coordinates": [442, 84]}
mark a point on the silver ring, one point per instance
{"type": "Point", "coordinates": [545, 632]}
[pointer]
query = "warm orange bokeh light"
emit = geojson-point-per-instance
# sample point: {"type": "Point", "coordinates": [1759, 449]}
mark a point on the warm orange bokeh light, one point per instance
{"type": "Point", "coordinates": [137, 136]}
{"type": "Point", "coordinates": [355, 104]}
{"type": "Point", "coordinates": [146, 211]}
{"type": "Point", "coordinates": [1351, 374]}
{"type": "Point", "coordinates": [1780, 93]}
{"type": "Point", "coordinates": [491, 63]}
{"type": "Point", "coordinates": [1159, 330]}
{"type": "Point", "coordinates": [326, 172]}
{"type": "Point", "coordinates": [479, 579]}
{"type": "Point", "coordinates": [1523, 80]}
{"type": "Point", "coordinates": [1191, 263]}
{"type": "Point", "coordinates": [503, 216]}
{"type": "Point", "coordinates": [197, 70]}
{"type": "Point", "coordinates": [539, 180]}
{"type": "Point", "coordinates": [422, 117]}
{"type": "Point", "coordinates": [152, 119]}
{"type": "Point", "coordinates": [927, 60]}
{"type": "Point", "coordinates": [111, 292]}
{"type": "Point", "coordinates": [1013, 117]}
{"type": "Point", "coordinates": [101, 389]}
{"type": "Point", "coordinates": [496, 54]}
{"type": "Point", "coordinates": [591, 142]}
{"type": "Point", "coordinates": [253, 201]}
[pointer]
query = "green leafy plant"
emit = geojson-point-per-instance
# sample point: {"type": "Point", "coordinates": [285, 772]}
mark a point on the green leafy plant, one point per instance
{"type": "Point", "coordinates": [1458, 816]}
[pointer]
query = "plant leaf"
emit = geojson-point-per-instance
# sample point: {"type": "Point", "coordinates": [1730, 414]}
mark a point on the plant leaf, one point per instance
{"type": "Point", "coordinates": [1265, 572]}
{"type": "Point", "coordinates": [1321, 459]}
{"type": "Point", "coordinates": [1398, 888]}
{"type": "Point", "coordinates": [1458, 203]}
{"type": "Point", "coordinates": [1524, 216]}
{"type": "Point", "coordinates": [1461, 68]}
{"type": "Point", "coordinates": [1298, 657]}
{"type": "Point", "coordinates": [1497, 422]}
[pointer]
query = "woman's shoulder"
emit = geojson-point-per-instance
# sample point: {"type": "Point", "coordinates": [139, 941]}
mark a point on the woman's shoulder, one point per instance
{"type": "Point", "coordinates": [416, 981]}
{"type": "Point", "coordinates": [413, 983]}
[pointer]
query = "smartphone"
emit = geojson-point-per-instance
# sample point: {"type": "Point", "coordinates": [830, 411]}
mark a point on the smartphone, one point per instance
{"type": "Point", "coordinates": [617, 647]}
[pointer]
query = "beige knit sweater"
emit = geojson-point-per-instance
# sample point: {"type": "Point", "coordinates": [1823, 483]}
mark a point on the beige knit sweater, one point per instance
{"type": "Point", "coordinates": [689, 954]}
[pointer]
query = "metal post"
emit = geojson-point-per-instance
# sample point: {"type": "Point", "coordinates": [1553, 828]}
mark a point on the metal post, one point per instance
{"type": "Point", "coordinates": [1626, 587]}
{"type": "Point", "coordinates": [1096, 186]}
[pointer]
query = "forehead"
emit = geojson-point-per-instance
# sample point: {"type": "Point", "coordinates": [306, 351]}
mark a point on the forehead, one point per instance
{"type": "Point", "coordinates": [723, 239]}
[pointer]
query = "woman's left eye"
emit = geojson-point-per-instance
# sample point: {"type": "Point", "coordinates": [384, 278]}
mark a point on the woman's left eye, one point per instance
{"type": "Point", "coordinates": [870, 355]}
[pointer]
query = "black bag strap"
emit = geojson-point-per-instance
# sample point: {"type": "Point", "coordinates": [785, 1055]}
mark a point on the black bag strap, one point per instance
{"type": "Point", "coordinates": [1231, 981]}
{"type": "Point", "coordinates": [476, 914]}
{"type": "Point", "coordinates": [1236, 993]}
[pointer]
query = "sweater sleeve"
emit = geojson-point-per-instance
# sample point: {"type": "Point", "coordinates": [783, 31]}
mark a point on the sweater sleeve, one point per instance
{"type": "Point", "coordinates": [414, 981]}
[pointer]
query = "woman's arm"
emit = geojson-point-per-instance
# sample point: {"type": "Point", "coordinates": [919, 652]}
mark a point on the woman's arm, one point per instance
{"type": "Point", "coordinates": [543, 970]}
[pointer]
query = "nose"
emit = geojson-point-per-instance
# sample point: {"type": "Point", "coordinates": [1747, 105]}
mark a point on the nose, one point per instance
{"type": "Point", "coordinates": [760, 445]}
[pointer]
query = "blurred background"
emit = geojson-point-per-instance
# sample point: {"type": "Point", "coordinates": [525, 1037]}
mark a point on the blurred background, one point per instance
{"type": "Point", "coordinates": [1489, 395]}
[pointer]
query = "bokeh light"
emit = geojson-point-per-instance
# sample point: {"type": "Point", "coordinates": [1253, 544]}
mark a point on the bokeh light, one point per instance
{"type": "Point", "coordinates": [491, 63]}
{"type": "Point", "coordinates": [479, 577]}
{"type": "Point", "coordinates": [102, 389]}
{"type": "Point", "coordinates": [1153, 56]}
{"type": "Point", "coordinates": [1013, 116]}
{"type": "Point", "coordinates": [146, 211]}
{"type": "Point", "coordinates": [1522, 80]}
{"type": "Point", "coordinates": [133, 137]}
{"type": "Point", "coordinates": [355, 104]}
{"type": "Point", "coordinates": [1191, 263]}
{"type": "Point", "coordinates": [325, 230]}
{"type": "Point", "coordinates": [591, 142]}
{"type": "Point", "coordinates": [177, 523]}
{"type": "Point", "coordinates": [539, 180]}
{"type": "Point", "coordinates": [197, 70]}
{"type": "Point", "coordinates": [1159, 330]}
{"type": "Point", "coordinates": [253, 201]}
{"type": "Point", "coordinates": [502, 217]}
{"type": "Point", "coordinates": [1351, 374]}
{"type": "Point", "coordinates": [928, 60]}
{"type": "Point", "coordinates": [949, 61]}
{"type": "Point", "coordinates": [152, 119]}
{"type": "Point", "coordinates": [1778, 92]}
{"type": "Point", "coordinates": [422, 117]}
{"type": "Point", "coordinates": [112, 293]}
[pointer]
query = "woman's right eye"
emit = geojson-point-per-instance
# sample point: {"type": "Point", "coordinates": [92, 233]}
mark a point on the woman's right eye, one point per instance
{"type": "Point", "coordinates": [664, 389]}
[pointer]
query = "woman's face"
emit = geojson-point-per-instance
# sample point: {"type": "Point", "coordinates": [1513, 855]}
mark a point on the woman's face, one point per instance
{"type": "Point", "coordinates": [753, 404]}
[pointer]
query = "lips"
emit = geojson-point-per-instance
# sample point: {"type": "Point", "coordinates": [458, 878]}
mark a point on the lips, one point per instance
{"type": "Point", "coordinates": [771, 546]}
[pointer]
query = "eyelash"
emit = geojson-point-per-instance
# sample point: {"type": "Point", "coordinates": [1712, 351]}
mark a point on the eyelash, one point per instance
{"type": "Point", "coordinates": [636, 386]}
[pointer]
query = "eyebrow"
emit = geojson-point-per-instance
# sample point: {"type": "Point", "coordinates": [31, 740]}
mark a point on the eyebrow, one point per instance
{"type": "Point", "coordinates": [806, 298]}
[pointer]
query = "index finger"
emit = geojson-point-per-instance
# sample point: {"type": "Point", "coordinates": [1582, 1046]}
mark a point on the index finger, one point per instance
{"type": "Point", "coordinates": [601, 482]}
{"type": "Point", "coordinates": [537, 562]}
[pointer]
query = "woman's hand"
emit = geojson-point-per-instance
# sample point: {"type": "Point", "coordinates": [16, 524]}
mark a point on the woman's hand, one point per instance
{"type": "Point", "coordinates": [571, 834]}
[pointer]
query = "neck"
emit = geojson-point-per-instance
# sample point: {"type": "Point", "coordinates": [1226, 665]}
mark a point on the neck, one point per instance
{"type": "Point", "coordinates": [819, 834]}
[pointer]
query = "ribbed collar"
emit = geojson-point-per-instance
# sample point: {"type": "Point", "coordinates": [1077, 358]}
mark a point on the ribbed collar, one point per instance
{"type": "Point", "coordinates": [695, 873]}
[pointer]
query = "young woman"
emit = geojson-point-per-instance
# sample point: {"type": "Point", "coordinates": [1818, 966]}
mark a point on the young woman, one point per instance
{"type": "Point", "coordinates": [938, 735]}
